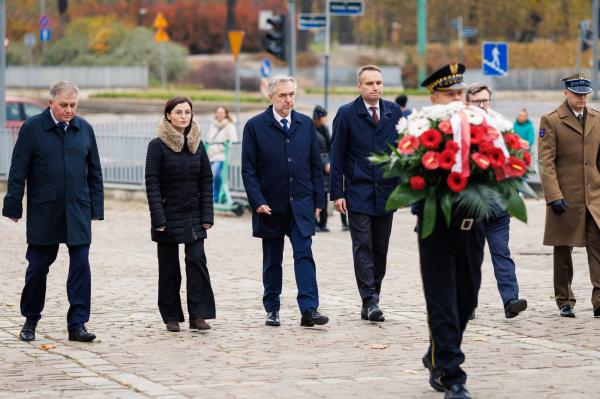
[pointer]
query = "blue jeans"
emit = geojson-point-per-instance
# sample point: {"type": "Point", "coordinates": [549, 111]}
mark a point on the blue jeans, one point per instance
{"type": "Point", "coordinates": [217, 168]}
{"type": "Point", "coordinates": [497, 234]}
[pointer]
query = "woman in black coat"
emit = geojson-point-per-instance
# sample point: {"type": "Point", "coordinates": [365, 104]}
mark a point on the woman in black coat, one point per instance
{"type": "Point", "coordinates": [179, 189]}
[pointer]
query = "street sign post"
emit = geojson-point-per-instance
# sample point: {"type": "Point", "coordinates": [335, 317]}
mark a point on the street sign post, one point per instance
{"type": "Point", "coordinates": [495, 58]}
{"type": "Point", "coordinates": [312, 21]}
{"type": "Point", "coordinates": [265, 68]}
{"type": "Point", "coordinates": [347, 8]}
{"type": "Point", "coordinates": [236, 37]}
{"type": "Point", "coordinates": [45, 35]}
{"type": "Point", "coordinates": [161, 36]}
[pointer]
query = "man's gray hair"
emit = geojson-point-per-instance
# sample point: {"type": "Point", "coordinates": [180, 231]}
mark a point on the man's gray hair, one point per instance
{"type": "Point", "coordinates": [476, 88]}
{"type": "Point", "coordinates": [63, 86]}
{"type": "Point", "coordinates": [281, 79]}
{"type": "Point", "coordinates": [366, 68]}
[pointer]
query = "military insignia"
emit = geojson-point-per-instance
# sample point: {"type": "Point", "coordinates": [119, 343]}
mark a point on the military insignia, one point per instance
{"type": "Point", "coordinates": [581, 75]}
{"type": "Point", "coordinates": [542, 132]}
{"type": "Point", "coordinates": [453, 68]}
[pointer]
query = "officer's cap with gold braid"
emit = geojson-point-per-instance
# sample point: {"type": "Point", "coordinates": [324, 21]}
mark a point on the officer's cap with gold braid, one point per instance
{"type": "Point", "coordinates": [449, 77]}
{"type": "Point", "coordinates": [577, 83]}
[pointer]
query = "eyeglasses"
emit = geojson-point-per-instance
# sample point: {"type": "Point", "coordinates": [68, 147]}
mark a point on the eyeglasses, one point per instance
{"type": "Point", "coordinates": [480, 103]}
{"type": "Point", "coordinates": [181, 113]}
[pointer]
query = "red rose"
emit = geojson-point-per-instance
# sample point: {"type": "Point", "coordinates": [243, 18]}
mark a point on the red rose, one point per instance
{"type": "Point", "coordinates": [485, 148]}
{"type": "Point", "coordinates": [431, 139]}
{"type": "Point", "coordinates": [430, 160]}
{"type": "Point", "coordinates": [515, 167]}
{"type": "Point", "coordinates": [480, 160]}
{"type": "Point", "coordinates": [527, 158]}
{"type": "Point", "coordinates": [447, 158]}
{"type": "Point", "coordinates": [456, 182]}
{"type": "Point", "coordinates": [477, 133]}
{"type": "Point", "coordinates": [512, 141]}
{"type": "Point", "coordinates": [497, 157]}
{"type": "Point", "coordinates": [417, 183]}
{"type": "Point", "coordinates": [451, 145]}
{"type": "Point", "coordinates": [445, 126]}
{"type": "Point", "coordinates": [408, 144]}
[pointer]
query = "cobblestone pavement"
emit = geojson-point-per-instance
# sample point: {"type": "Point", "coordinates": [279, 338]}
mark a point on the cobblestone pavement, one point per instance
{"type": "Point", "coordinates": [537, 354]}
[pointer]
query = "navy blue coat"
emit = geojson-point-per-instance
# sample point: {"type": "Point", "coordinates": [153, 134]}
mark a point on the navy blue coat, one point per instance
{"type": "Point", "coordinates": [284, 171]}
{"type": "Point", "coordinates": [64, 181]}
{"type": "Point", "coordinates": [355, 138]}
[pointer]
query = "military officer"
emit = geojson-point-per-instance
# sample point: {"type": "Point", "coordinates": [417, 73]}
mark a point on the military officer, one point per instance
{"type": "Point", "coordinates": [451, 260]}
{"type": "Point", "coordinates": [568, 156]}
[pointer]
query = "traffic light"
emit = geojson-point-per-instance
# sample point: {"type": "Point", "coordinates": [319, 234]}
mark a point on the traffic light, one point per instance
{"type": "Point", "coordinates": [586, 34]}
{"type": "Point", "coordinates": [275, 43]}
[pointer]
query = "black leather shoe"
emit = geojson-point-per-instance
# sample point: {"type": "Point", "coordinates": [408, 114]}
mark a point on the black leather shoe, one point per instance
{"type": "Point", "coordinates": [81, 334]}
{"type": "Point", "coordinates": [457, 391]}
{"type": "Point", "coordinates": [28, 331]}
{"type": "Point", "coordinates": [364, 315]}
{"type": "Point", "coordinates": [172, 326]}
{"type": "Point", "coordinates": [435, 375]}
{"type": "Point", "coordinates": [273, 319]}
{"type": "Point", "coordinates": [567, 311]}
{"type": "Point", "coordinates": [472, 316]}
{"type": "Point", "coordinates": [312, 317]}
{"type": "Point", "coordinates": [597, 312]}
{"type": "Point", "coordinates": [514, 307]}
{"type": "Point", "coordinates": [374, 312]}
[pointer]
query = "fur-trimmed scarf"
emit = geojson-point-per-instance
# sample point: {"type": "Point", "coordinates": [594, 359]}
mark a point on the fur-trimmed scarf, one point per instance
{"type": "Point", "coordinates": [174, 140]}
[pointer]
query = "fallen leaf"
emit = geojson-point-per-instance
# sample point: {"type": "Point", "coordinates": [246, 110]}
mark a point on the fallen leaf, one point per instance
{"type": "Point", "coordinates": [47, 347]}
{"type": "Point", "coordinates": [10, 305]}
{"type": "Point", "coordinates": [479, 339]}
{"type": "Point", "coordinates": [378, 346]}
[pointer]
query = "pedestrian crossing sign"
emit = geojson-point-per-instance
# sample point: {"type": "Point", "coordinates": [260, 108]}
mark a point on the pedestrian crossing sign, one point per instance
{"type": "Point", "coordinates": [494, 58]}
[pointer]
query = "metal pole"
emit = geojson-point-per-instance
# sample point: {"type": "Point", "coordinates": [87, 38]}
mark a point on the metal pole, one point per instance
{"type": "Point", "coordinates": [2, 68]}
{"type": "Point", "coordinates": [422, 36]}
{"type": "Point", "coordinates": [43, 12]}
{"type": "Point", "coordinates": [163, 69]}
{"type": "Point", "coordinates": [292, 35]}
{"type": "Point", "coordinates": [237, 95]}
{"type": "Point", "coordinates": [327, 39]}
{"type": "Point", "coordinates": [595, 38]}
{"type": "Point", "coordinates": [459, 23]}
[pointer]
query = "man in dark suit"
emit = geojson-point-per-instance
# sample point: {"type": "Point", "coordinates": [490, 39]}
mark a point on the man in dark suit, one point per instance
{"type": "Point", "coordinates": [283, 178]}
{"type": "Point", "coordinates": [365, 126]}
{"type": "Point", "coordinates": [56, 155]}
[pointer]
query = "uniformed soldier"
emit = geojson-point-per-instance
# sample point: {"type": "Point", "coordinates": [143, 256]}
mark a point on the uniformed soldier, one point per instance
{"type": "Point", "coordinates": [451, 260]}
{"type": "Point", "coordinates": [568, 156]}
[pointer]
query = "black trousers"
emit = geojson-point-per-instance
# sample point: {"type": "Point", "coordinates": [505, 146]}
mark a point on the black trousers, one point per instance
{"type": "Point", "coordinates": [321, 221]}
{"type": "Point", "coordinates": [200, 298]}
{"type": "Point", "coordinates": [79, 285]}
{"type": "Point", "coordinates": [370, 238]}
{"type": "Point", "coordinates": [451, 270]}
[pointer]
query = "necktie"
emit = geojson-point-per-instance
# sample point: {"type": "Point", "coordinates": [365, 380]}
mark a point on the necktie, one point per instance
{"type": "Point", "coordinates": [284, 123]}
{"type": "Point", "coordinates": [62, 126]}
{"type": "Point", "coordinates": [374, 116]}
{"type": "Point", "coordinates": [580, 119]}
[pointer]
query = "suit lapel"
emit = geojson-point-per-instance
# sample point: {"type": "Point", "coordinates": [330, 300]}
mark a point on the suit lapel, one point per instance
{"type": "Point", "coordinates": [295, 123]}
{"type": "Point", "coordinates": [567, 117]}
{"type": "Point", "coordinates": [590, 122]}
{"type": "Point", "coordinates": [384, 115]}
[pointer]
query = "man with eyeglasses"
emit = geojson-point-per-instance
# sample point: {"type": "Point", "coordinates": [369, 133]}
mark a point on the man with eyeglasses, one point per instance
{"type": "Point", "coordinates": [569, 140]}
{"type": "Point", "coordinates": [497, 227]}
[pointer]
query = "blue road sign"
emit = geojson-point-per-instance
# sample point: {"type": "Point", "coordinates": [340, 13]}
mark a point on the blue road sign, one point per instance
{"type": "Point", "coordinates": [45, 35]}
{"type": "Point", "coordinates": [495, 58]}
{"type": "Point", "coordinates": [469, 31]}
{"type": "Point", "coordinates": [265, 68]}
{"type": "Point", "coordinates": [311, 21]}
{"type": "Point", "coordinates": [346, 8]}
{"type": "Point", "coordinates": [44, 21]}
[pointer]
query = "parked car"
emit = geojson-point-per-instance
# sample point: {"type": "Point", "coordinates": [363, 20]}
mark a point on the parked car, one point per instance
{"type": "Point", "coordinates": [18, 109]}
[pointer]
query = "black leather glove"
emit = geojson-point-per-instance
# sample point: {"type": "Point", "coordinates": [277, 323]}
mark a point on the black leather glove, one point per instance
{"type": "Point", "coordinates": [559, 206]}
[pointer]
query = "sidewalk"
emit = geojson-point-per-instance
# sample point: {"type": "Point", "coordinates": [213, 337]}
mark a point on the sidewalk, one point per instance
{"type": "Point", "coordinates": [536, 355]}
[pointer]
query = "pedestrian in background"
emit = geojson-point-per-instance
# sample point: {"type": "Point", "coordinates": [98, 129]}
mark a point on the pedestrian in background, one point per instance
{"type": "Point", "coordinates": [57, 157]}
{"type": "Point", "coordinates": [220, 131]}
{"type": "Point", "coordinates": [524, 128]}
{"type": "Point", "coordinates": [401, 100]}
{"type": "Point", "coordinates": [568, 152]}
{"type": "Point", "coordinates": [497, 226]}
{"type": "Point", "coordinates": [283, 178]}
{"type": "Point", "coordinates": [324, 138]}
{"type": "Point", "coordinates": [362, 127]}
{"type": "Point", "coordinates": [179, 190]}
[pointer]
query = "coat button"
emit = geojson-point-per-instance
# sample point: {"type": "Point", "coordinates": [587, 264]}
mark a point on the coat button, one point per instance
{"type": "Point", "coordinates": [291, 198]}
{"type": "Point", "coordinates": [287, 140]}
{"type": "Point", "coordinates": [289, 159]}
{"type": "Point", "coordinates": [291, 179]}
